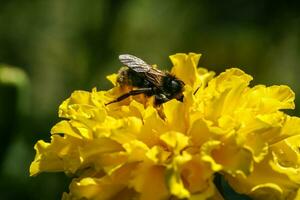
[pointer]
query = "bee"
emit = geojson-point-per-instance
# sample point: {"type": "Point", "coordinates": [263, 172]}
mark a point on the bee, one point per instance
{"type": "Point", "coordinates": [147, 80]}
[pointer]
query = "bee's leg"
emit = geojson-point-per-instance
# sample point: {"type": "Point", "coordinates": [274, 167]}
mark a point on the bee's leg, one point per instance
{"type": "Point", "coordinates": [131, 93]}
{"type": "Point", "coordinates": [160, 98]}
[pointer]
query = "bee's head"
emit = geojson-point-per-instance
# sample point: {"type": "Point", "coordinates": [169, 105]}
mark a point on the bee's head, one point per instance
{"type": "Point", "coordinates": [172, 85]}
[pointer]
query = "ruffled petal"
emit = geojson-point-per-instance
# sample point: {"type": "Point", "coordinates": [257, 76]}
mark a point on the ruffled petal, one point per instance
{"type": "Point", "coordinates": [59, 155]}
{"type": "Point", "coordinates": [185, 67]}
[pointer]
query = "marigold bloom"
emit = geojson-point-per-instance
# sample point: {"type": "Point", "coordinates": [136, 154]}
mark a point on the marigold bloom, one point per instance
{"type": "Point", "coordinates": [133, 150]}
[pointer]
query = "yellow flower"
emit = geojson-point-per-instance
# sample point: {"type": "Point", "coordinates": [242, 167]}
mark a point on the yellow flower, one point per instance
{"type": "Point", "coordinates": [134, 150]}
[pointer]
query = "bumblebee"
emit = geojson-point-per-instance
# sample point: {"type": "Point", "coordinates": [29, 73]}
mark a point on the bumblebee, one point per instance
{"type": "Point", "coordinates": [147, 80]}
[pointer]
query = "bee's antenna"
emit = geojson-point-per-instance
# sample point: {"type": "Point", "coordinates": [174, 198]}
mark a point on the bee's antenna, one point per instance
{"type": "Point", "coordinates": [196, 90]}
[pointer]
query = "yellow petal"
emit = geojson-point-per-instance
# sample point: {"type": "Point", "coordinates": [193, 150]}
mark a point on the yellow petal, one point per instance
{"type": "Point", "coordinates": [152, 128]}
{"type": "Point", "coordinates": [229, 157]}
{"type": "Point", "coordinates": [206, 150]}
{"type": "Point", "coordinates": [175, 184]}
{"type": "Point", "coordinates": [127, 131]}
{"type": "Point", "coordinates": [102, 152]}
{"type": "Point", "coordinates": [175, 113]}
{"type": "Point", "coordinates": [197, 175]}
{"type": "Point", "coordinates": [136, 150]}
{"type": "Point", "coordinates": [65, 128]}
{"type": "Point", "coordinates": [80, 107]}
{"type": "Point", "coordinates": [290, 128]}
{"type": "Point", "coordinates": [199, 132]}
{"type": "Point", "coordinates": [283, 94]}
{"type": "Point", "coordinates": [264, 180]}
{"type": "Point", "coordinates": [286, 158]}
{"type": "Point", "coordinates": [229, 79]}
{"type": "Point", "coordinates": [112, 78]}
{"type": "Point", "coordinates": [105, 188]}
{"type": "Point", "coordinates": [173, 174]}
{"type": "Point", "coordinates": [257, 146]}
{"type": "Point", "coordinates": [270, 99]}
{"type": "Point", "coordinates": [37, 165]}
{"type": "Point", "coordinates": [59, 155]}
{"type": "Point", "coordinates": [211, 193]}
{"type": "Point", "coordinates": [158, 155]}
{"type": "Point", "coordinates": [297, 197]}
{"type": "Point", "coordinates": [185, 67]}
{"type": "Point", "coordinates": [224, 93]}
{"type": "Point", "coordinates": [145, 174]}
{"type": "Point", "coordinates": [266, 191]}
{"type": "Point", "coordinates": [176, 140]}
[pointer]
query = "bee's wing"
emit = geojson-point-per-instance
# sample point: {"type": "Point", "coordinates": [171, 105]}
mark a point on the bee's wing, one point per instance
{"type": "Point", "coordinates": [135, 63]}
{"type": "Point", "coordinates": [138, 65]}
{"type": "Point", "coordinates": [155, 76]}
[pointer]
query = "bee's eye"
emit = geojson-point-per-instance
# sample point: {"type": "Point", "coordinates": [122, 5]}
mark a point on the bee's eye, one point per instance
{"type": "Point", "coordinates": [175, 86]}
{"type": "Point", "coordinates": [171, 85]}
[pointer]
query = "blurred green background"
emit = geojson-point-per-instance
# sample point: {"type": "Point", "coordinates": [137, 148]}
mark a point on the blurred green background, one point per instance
{"type": "Point", "coordinates": [58, 46]}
